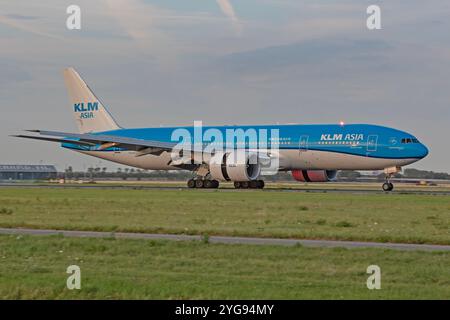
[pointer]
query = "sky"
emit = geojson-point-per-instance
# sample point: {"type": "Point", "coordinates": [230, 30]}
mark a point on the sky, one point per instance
{"type": "Point", "coordinates": [170, 62]}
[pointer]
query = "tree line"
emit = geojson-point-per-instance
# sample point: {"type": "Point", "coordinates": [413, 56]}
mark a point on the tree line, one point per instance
{"type": "Point", "coordinates": [174, 175]}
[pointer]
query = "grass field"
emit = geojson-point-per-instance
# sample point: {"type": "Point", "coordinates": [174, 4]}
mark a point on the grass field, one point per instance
{"type": "Point", "coordinates": [367, 217]}
{"type": "Point", "coordinates": [293, 185]}
{"type": "Point", "coordinates": [35, 268]}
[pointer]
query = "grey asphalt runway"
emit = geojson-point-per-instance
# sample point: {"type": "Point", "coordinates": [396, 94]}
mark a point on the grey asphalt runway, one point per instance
{"type": "Point", "coordinates": [351, 190]}
{"type": "Point", "coordinates": [228, 240]}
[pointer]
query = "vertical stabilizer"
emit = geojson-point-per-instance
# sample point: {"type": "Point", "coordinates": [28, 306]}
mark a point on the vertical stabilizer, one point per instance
{"type": "Point", "coordinates": [90, 114]}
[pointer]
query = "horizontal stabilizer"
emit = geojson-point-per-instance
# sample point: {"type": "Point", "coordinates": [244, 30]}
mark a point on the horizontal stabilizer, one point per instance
{"type": "Point", "coordinates": [82, 143]}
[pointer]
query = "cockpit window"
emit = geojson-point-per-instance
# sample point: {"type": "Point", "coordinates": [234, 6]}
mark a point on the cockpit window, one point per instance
{"type": "Point", "coordinates": [409, 140]}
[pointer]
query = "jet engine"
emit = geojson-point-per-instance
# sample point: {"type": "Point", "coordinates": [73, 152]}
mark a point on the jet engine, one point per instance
{"type": "Point", "coordinates": [314, 175]}
{"type": "Point", "coordinates": [235, 166]}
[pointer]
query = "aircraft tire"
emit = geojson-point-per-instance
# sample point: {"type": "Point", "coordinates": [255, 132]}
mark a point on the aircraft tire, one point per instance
{"type": "Point", "coordinates": [191, 183]}
{"type": "Point", "coordinates": [253, 184]}
{"type": "Point", "coordinates": [199, 183]}
{"type": "Point", "coordinates": [387, 186]}
{"type": "Point", "coordinates": [208, 184]}
{"type": "Point", "coordinates": [244, 184]}
{"type": "Point", "coordinates": [215, 184]}
{"type": "Point", "coordinates": [261, 184]}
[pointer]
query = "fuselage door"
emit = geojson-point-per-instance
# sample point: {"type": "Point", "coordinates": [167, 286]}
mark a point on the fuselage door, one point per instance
{"type": "Point", "coordinates": [303, 143]}
{"type": "Point", "coordinates": [372, 141]}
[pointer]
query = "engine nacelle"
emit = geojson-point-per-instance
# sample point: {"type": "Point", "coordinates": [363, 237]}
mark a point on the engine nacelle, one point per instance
{"type": "Point", "coordinates": [314, 175]}
{"type": "Point", "coordinates": [235, 166]}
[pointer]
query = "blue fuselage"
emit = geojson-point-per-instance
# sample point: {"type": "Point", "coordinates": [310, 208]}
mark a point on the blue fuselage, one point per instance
{"type": "Point", "coordinates": [360, 141]}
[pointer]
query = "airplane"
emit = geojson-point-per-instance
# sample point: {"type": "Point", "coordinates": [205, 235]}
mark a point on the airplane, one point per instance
{"type": "Point", "coordinates": [312, 153]}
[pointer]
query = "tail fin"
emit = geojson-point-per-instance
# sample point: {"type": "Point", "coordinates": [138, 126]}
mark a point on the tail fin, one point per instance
{"type": "Point", "coordinates": [90, 114]}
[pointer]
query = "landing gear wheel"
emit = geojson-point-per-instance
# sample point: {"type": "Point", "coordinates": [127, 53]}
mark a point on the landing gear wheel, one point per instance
{"type": "Point", "coordinates": [387, 186]}
{"type": "Point", "coordinates": [244, 184]}
{"type": "Point", "coordinates": [199, 183]}
{"type": "Point", "coordinates": [191, 183]}
{"type": "Point", "coordinates": [260, 184]}
{"type": "Point", "coordinates": [215, 184]}
{"type": "Point", "coordinates": [237, 184]}
{"type": "Point", "coordinates": [208, 184]}
{"type": "Point", "coordinates": [253, 184]}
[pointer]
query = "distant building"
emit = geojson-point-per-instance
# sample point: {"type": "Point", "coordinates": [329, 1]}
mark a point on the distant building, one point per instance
{"type": "Point", "coordinates": [27, 172]}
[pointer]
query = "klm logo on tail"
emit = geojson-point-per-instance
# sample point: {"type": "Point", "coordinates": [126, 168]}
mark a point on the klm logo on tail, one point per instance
{"type": "Point", "coordinates": [86, 111]}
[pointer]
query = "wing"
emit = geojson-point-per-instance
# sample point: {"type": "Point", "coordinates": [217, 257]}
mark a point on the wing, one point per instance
{"type": "Point", "coordinates": [101, 141]}
{"type": "Point", "coordinates": [98, 142]}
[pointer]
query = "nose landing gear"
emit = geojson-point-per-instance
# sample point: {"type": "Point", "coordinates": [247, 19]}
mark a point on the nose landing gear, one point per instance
{"type": "Point", "coordinates": [388, 186]}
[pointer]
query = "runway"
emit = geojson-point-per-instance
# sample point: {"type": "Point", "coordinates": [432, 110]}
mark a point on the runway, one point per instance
{"type": "Point", "coordinates": [227, 240]}
{"type": "Point", "coordinates": [352, 189]}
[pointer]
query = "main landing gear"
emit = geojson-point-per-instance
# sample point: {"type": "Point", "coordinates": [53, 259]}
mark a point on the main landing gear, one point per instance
{"type": "Point", "coordinates": [253, 184]}
{"type": "Point", "coordinates": [214, 184]}
{"type": "Point", "coordinates": [200, 183]}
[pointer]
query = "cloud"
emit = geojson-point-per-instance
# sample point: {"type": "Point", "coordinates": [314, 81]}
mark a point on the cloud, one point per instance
{"type": "Point", "coordinates": [12, 21]}
{"type": "Point", "coordinates": [228, 10]}
{"type": "Point", "coordinates": [135, 17]}
{"type": "Point", "coordinates": [12, 72]}
{"type": "Point", "coordinates": [21, 17]}
{"type": "Point", "coordinates": [310, 53]}
{"type": "Point", "coordinates": [139, 21]}
{"type": "Point", "coordinates": [294, 56]}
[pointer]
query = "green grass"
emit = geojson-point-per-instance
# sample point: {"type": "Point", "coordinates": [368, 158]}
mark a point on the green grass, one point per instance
{"type": "Point", "coordinates": [366, 217]}
{"type": "Point", "coordinates": [293, 185]}
{"type": "Point", "coordinates": [35, 268]}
